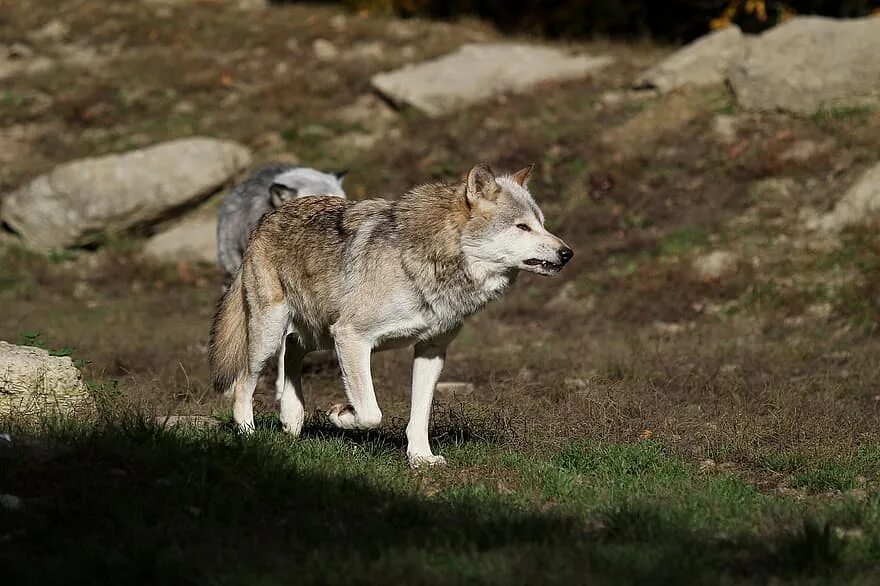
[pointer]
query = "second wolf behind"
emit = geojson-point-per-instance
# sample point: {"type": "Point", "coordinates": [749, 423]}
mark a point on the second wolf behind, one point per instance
{"type": "Point", "coordinates": [260, 193]}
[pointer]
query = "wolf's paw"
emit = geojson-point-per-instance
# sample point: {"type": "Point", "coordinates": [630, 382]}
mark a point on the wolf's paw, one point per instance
{"type": "Point", "coordinates": [342, 415]}
{"type": "Point", "coordinates": [292, 424]}
{"type": "Point", "coordinates": [425, 460]}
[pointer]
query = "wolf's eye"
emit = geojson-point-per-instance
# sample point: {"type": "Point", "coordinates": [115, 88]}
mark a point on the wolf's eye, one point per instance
{"type": "Point", "coordinates": [523, 227]}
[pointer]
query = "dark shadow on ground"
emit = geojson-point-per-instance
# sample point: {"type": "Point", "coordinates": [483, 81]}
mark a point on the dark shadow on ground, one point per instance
{"type": "Point", "coordinates": [133, 504]}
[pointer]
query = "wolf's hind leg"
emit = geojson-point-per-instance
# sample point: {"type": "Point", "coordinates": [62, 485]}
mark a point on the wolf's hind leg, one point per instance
{"type": "Point", "coordinates": [266, 328]}
{"type": "Point", "coordinates": [279, 380]}
{"type": "Point", "coordinates": [363, 411]}
{"type": "Point", "coordinates": [291, 395]}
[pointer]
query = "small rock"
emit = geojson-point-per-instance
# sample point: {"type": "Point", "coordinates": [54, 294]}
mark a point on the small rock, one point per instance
{"type": "Point", "coordinates": [192, 239]}
{"type": "Point", "coordinates": [575, 383]}
{"type": "Point", "coordinates": [851, 534]}
{"type": "Point", "coordinates": [715, 265]}
{"type": "Point", "coordinates": [252, 4]}
{"type": "Point", "coordinates": [13, 62]}
{"type": "Point", "coordinates": [707, 465]}
{"type": "Point", "coordinates": [367, 51]}
{"type": "Point", "coordinates": [820, 310]}
{"type": "Point", "coordinates": [10, 502]}
{"type": "Point", "coordinates": [773, 189]}
{"type": "Point", "coordinates": [669, 328]}
{"type": "Point", "coordinates": [184, 107]}
{"type": "Point", "coordinates": [725, 129]}
{"type": "Point", "coordinates": [403, 30]}
{"type": "Point", "coordinates": [53, 31]}
{"type": "Point", "coordinates": [324, 50]}
{"type": "Point", "coordinates": [454, 390]}
{"type": "Point", "coordinates": [203, 421]}
{"type": "Point", "coordinates": [859, 204]}
{"type": "Point", "coordinates": [802, 151]}
{"type": "Point", "coordinates": [611, 98]}
{"type": "Point", "coordinates": [338, 22]}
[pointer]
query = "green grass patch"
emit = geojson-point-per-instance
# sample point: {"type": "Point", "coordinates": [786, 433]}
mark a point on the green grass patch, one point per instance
{"type": "Point", "coordinates": [683, 241]}
{"type": "Point", "coordinates": [816, 474]}
{"type": "Point", "coordinates": [126, 501]}
{"type": "Point", "coordinates": [834, 115]}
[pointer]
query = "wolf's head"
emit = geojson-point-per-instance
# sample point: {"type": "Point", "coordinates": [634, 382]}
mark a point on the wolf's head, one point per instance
{"type": "Point", "coordinates": [303, 181]}
{"type": "Point", "coordinates": [506, 230]}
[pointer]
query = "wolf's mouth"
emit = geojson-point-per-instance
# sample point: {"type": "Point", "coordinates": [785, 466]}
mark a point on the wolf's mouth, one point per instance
{"type": "Point", "coordinates": [544, 264]}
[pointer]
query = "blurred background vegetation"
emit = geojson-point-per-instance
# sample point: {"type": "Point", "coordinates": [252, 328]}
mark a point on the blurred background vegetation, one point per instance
{"type": "Point", "coordinates": [672, 20]}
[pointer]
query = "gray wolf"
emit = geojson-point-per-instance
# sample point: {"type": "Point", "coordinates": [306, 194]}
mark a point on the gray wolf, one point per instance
{"type": "Point", "coordinates": [260, 193]}
{"type": "Point", "coordinates": [249, 201]}
{"type": "Point", "coordinates": [370, 275]}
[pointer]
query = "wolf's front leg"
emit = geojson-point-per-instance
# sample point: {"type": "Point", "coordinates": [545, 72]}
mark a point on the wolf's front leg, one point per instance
{"type": "Point", "coordinates": [428, 362]}
{"type": "Point", "coordinates": [362, 411]}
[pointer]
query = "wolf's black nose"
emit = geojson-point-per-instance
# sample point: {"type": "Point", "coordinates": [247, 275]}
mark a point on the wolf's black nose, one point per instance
{"type": "Point", "coordinates": [565, 254]}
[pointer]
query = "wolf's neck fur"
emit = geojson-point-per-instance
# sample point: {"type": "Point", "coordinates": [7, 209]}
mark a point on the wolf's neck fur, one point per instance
{"type": "Point", "coordinates": [431, 219]}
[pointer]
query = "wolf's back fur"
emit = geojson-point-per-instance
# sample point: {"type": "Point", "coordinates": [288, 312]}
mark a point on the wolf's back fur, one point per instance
{"type": "Point", "coordinates": [342, 259]}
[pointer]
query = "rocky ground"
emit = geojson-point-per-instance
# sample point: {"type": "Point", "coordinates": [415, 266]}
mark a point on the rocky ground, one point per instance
{"type": "Point", "coordinates": [724, 297]}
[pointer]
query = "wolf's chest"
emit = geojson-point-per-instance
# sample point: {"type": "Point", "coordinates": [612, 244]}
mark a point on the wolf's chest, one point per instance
{"type": "Point", "coordinates": [407, 327]}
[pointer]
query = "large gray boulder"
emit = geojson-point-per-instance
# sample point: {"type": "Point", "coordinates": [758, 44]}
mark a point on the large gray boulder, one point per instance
{"type": "Point", "coordinates": [859, 204]}
{"type": "Point", "coordinates": [476, 72]}
{"type": "Point", "coordinates": [810, 63]}
{"type": "Point", "coordinates": [84, 201]}
{"type": "Point", "coordinates": [192, 239]}
{"type": "Point", "coordinates": [34, 383]}
{"type": "Point", "coordinates": [703, 62]}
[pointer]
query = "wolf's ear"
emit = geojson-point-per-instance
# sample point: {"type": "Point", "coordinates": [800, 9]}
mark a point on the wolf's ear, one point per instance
{"type": "Point", "coordinates": [340, 175]}
{"type": "Point", "coordinates": [523, 175]}
{"type": "Point", "coordinates": [281, 193]}
{"type": "Point", "coordinates": [481, 184]}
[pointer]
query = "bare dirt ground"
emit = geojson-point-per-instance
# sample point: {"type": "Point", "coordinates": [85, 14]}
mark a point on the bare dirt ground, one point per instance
{"type": "Point", "coordinates": [769, 366]}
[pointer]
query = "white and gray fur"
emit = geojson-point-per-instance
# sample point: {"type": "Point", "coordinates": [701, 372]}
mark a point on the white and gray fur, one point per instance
{"type": "Point", "coordinates": [260, 193]}
{"type": "Point", "coordinates": [369, 275]}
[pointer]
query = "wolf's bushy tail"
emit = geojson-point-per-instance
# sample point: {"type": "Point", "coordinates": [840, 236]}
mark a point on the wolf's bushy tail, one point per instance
{"type": "Point", "coordinates": [228, 349]}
